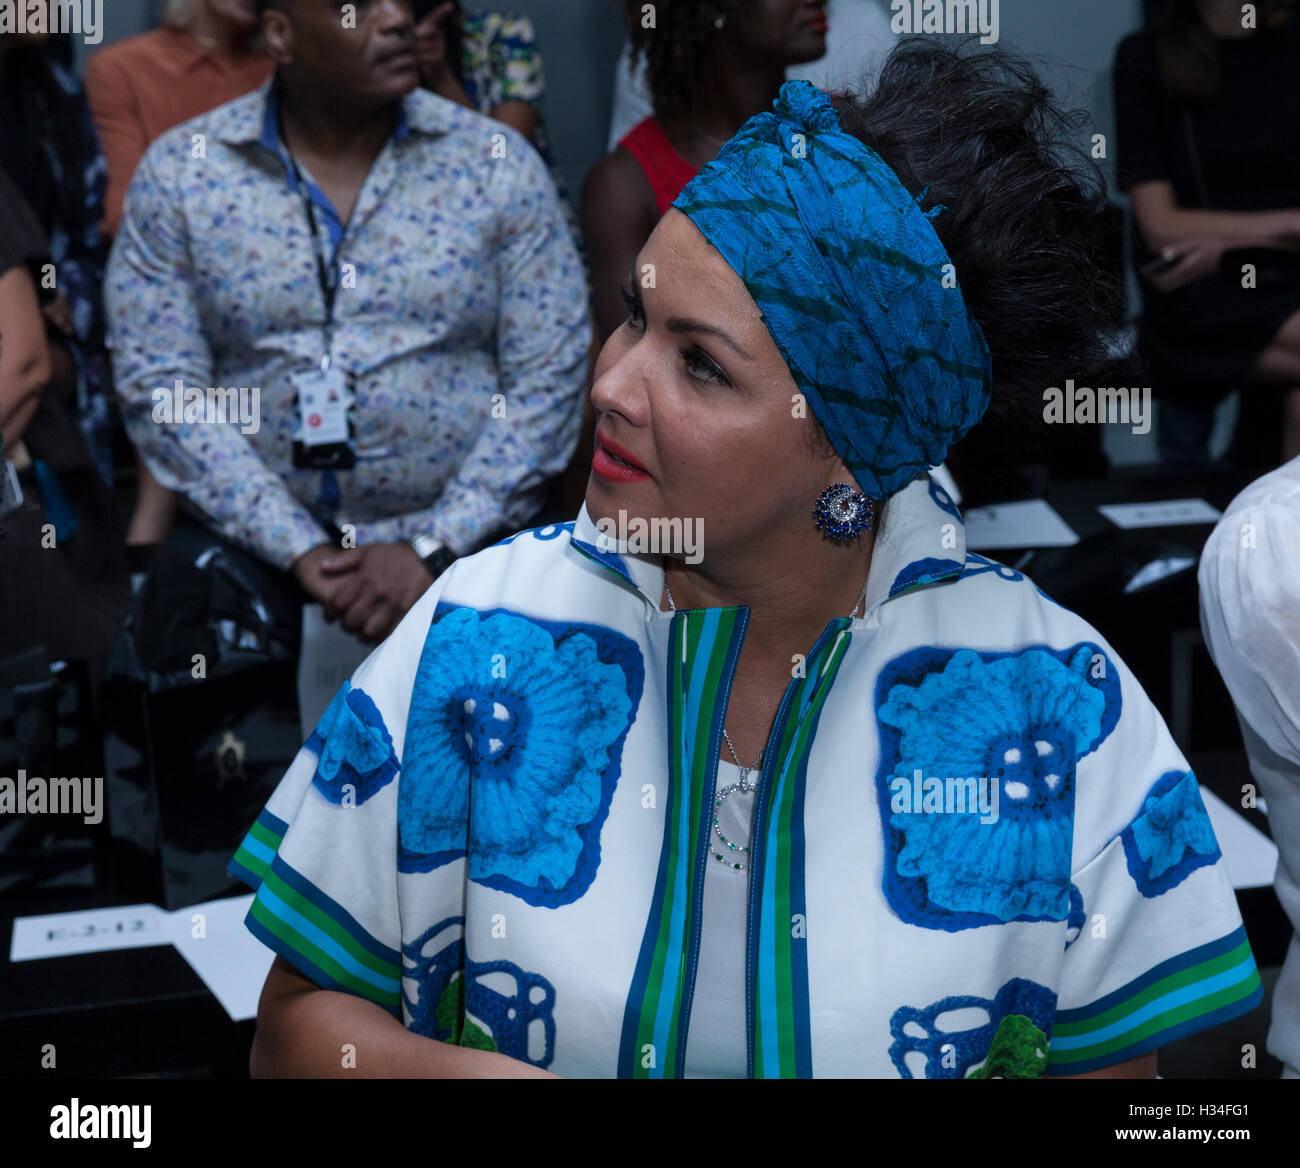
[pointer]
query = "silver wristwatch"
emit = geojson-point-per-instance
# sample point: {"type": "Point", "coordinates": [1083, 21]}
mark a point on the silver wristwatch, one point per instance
{"type": "Point", "coordinates": [437, 556]}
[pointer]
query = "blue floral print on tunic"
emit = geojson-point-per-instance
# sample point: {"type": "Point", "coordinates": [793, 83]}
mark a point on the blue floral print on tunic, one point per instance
{"type": "Point", "coordinates": [1171, 837]}
{"type": "Point", "coordinates": [531, 715]}
{"type": "Point", "coordinates": [447, 988]}
{"type": "Point", "coordinates": [982, 564]}
{"type": "Point", "coordinates": [1075, 921]}
{"type": "Point", "coordinates": [354, 747]}
{"type": "Point", "coordinates": [1022, 719]}
{"type": "Point", "coordinates": [944, 501]}
{"type": "Point", "coordinates": [1012, 1043]}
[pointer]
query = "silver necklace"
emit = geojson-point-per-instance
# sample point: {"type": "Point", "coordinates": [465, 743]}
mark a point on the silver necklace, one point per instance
{"type": "Point", "coordinates": [743, 786]}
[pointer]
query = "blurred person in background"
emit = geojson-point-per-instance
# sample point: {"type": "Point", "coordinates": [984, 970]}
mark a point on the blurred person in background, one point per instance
{"type": "Point", "coordinates": [857, 42]}
{"type": "Point", "coordinates": [490, 62]}
{"type": "Point", "coordinates": [1250, 615]}
{"type": "Point", "coordinates": [709, 67]}
{"type": "Point", "coordinates": [51, 153]}
{"type": "Point", "coordinates": [1207, 111]}
{"type": "Point", "coordinates": [356, 241]}
{"type": "Point", "coordinates": [63, 576]}
{"type": "Point", "coordinates": [204, 56]}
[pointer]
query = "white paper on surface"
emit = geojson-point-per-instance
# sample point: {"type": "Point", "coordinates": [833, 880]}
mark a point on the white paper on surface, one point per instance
{"type": "Point", "coordinates": [1032, 523]}
{"type": "Point", "coordinates": [330, 655]}
{"type": "Point", "coordinates": [228, 959]}
{"type": "Point", "coordinates": [1250, 855]}
{"type": "Point", "coordinates": [132, 926]}
{"type": "Point", "coordinates": [1166, 513]}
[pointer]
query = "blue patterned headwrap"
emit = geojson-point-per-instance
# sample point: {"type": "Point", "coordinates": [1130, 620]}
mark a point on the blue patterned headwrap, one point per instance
{"type": "Point", "coordinates": [849, 275]}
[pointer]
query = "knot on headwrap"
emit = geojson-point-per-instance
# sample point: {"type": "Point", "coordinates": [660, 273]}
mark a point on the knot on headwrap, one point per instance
{"type": "Point", "coordinates": [858, 293]}
{"type": "Point", "coordinates": [805, 107]}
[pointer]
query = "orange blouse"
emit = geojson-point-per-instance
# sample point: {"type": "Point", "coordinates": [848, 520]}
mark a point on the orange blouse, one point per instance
{"type": "Point", "coordinates": [144, 85]}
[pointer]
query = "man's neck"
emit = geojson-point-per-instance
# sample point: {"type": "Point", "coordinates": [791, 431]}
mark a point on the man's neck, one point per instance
{"type": "Point", "coordinates": [321, 128]}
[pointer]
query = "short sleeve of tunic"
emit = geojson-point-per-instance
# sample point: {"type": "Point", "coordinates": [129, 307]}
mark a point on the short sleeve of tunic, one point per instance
{"type": "Point", "coordinates": [323, 855]}
{"type": "Point", "coordinates": [1155, 948]}
{"type": "Point", "coordinates": [1140, 114]}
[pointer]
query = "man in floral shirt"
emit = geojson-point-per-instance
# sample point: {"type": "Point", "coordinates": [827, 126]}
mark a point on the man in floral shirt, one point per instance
{"type": "Point", "coordinates": [376, 262]}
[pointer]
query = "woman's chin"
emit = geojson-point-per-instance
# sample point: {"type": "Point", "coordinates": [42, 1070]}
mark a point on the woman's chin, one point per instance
{"type": "Point", "coordinates": [607, 497]}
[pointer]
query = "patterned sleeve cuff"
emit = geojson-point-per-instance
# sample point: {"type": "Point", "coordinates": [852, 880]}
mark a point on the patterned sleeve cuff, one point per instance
{"type": "Point", "coordinates": [1184, 995]}
{"type": "Point", "coordinates": [465, 516]}
{"type": "Point", "coordinates": [295, 539]}
{"type": "Point", "coordinates": [310, 930]}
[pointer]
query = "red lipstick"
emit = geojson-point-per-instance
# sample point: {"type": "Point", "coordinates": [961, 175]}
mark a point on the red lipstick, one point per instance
{"type": "Point", "coordinates": [613, 462]}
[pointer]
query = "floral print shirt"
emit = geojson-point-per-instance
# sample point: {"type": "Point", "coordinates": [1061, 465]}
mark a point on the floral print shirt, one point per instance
{"type": "Point", "coordinates": [502, 62]}
{"type": "Point", "coordinates": [976, 852]}
{"type": "Point", "coordinates": [460, 317]}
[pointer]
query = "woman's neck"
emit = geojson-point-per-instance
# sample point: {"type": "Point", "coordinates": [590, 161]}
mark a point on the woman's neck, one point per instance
{"type": "Point", "coordinates": [792, 593]}
{"type": "Point", "coordinates": [739, 86]}
{"type": "Point", "coordinates": [214, 33]}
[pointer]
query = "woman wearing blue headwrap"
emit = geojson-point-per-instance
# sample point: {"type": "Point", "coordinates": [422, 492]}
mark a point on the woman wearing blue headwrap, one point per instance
{"type": "Point", "coordinates": [752, 769]}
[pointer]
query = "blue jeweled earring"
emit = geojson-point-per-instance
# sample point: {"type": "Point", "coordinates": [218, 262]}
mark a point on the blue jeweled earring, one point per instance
{"type": "Point", "coordinates": [842, 512]}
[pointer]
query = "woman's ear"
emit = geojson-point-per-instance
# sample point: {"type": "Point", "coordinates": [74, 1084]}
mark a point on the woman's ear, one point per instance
{"type": "Point", "coordinates": [277, 37]}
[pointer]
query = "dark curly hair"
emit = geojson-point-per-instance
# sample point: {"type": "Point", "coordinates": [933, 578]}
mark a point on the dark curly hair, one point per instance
{"type": "Point", "coordinates": [1024, 225]}
{"type": "Point", "coordinates": [676, 49]}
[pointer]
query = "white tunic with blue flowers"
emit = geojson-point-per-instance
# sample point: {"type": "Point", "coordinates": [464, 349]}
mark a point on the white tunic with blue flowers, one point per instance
{"type": "Point", "coordinates": [500, 829]}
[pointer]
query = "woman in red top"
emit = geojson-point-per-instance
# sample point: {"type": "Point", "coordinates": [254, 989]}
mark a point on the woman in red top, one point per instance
{"type": "Point", "coordinates": [710, 67]}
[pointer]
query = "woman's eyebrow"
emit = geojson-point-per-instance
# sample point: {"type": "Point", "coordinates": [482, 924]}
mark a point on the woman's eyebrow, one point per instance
{"type": "Point", "coordinates": [686, 324]}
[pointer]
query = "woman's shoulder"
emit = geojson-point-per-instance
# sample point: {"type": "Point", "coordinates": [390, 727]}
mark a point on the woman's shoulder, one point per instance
{"type": "Point", "coordinates": [122, 59]}
{"type": "Point", "coordinates": [537, 562]}
{"type": "Point", "coordinates": [993, 602]}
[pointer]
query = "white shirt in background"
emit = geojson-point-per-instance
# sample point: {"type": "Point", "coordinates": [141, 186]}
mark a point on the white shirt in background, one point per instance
{"type": "Point", "coordinates": [1250, 616]}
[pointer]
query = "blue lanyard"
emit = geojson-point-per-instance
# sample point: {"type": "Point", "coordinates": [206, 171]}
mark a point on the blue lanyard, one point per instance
{"type": "Point", "coordinates": [328, 287]}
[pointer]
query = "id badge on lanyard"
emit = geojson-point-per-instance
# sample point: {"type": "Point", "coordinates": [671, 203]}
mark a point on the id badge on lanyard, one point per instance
{"type": "Point", "coordinates": [323, 395]}
{"type": "Point", "coordinates": [324, 424]}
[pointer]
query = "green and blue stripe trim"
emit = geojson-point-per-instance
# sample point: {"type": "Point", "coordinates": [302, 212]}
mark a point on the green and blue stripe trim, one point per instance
{"type": "Point", "coordinates": [704, 648]}
{"type": "Point", "coordinates": [1184, 995]}
{"type": "Point", "coordinates": [257, 849]}
{"type": "Point", "coordinates": [777, 966]}
{"type": "Point", "coordinates": [321, 939]}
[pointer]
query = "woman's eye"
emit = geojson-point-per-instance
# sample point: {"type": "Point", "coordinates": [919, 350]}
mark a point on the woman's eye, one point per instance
{"type": "Point", "coordinates": [703, 366]}
{"type": "Point", "coordinates": [633, 304]}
